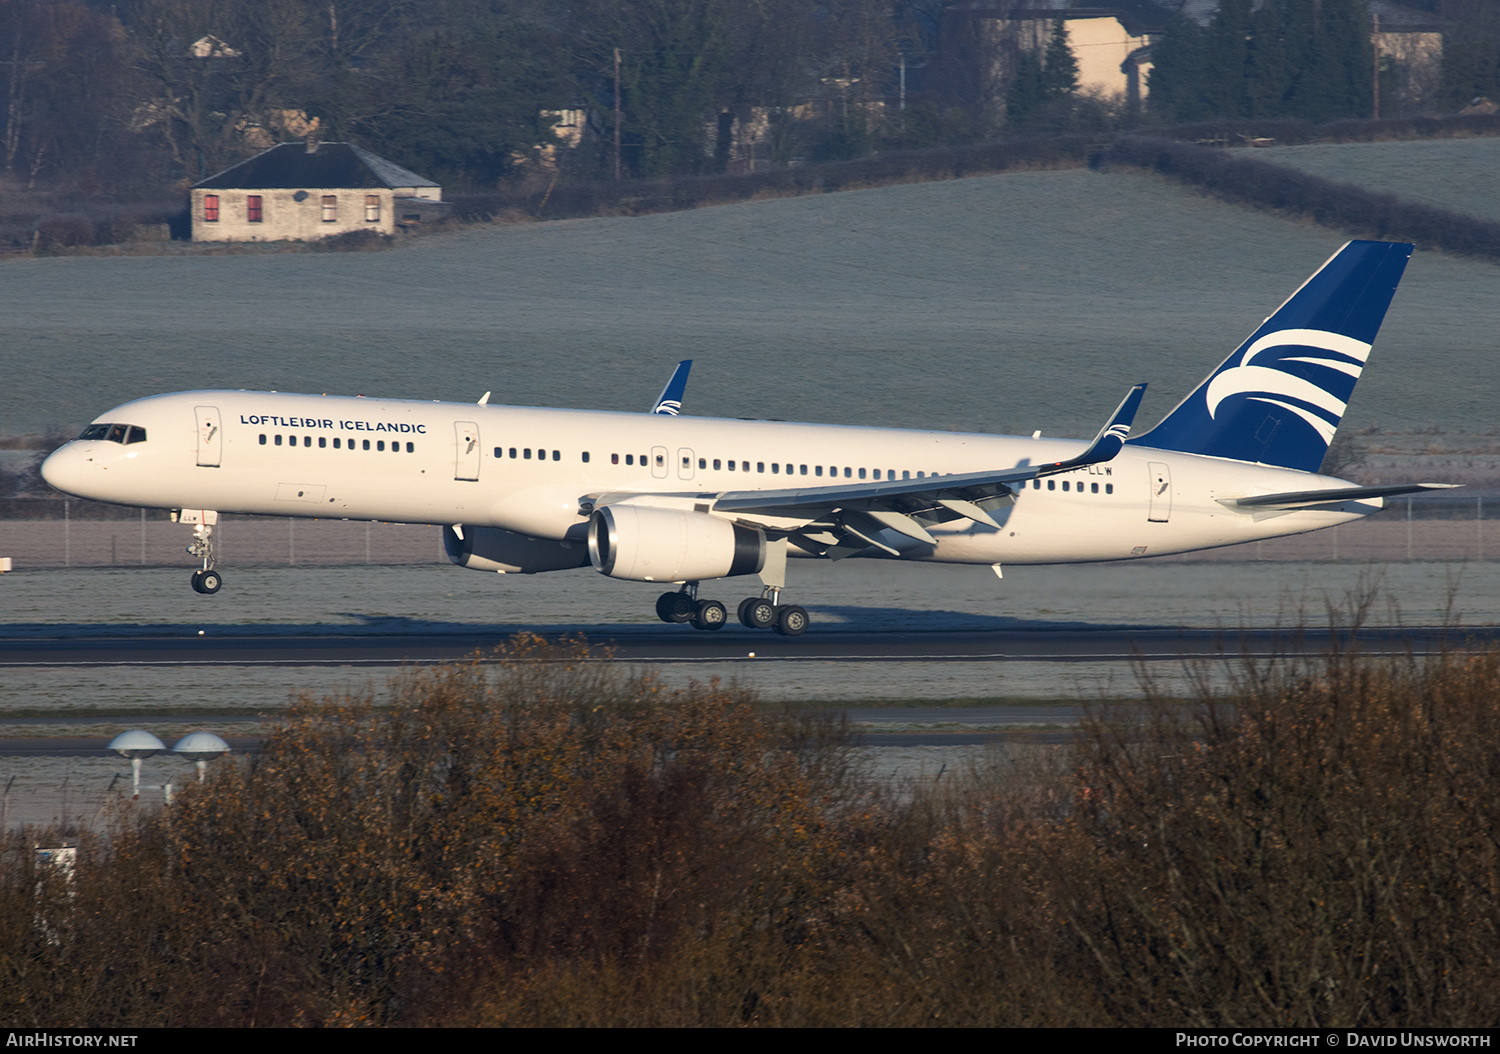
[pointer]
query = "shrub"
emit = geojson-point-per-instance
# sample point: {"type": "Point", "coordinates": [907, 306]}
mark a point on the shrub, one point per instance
{"type": "Point", "coordinates": [548, 841]}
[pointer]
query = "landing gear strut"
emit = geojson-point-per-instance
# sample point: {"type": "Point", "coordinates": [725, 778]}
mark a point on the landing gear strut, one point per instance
{"type": "Point", "coordinates": [766, 612]}
{"type": "Point", "coordinates": [207, 580]}
{"type": "Point", "coordinates": [763, 612]}
{"type": "Point", "coordinates": [684, 606]}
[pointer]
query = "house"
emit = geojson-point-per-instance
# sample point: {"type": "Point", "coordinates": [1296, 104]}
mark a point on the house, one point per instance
{"type": "Point", "coordinates": [309, 190]}
{"type": "Point", "coordinates": [1112, 44]}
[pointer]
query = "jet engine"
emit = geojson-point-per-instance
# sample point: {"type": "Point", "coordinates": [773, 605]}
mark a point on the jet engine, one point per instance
{"type": "Point", "coordinates": [493, 549]}
{"type": "Point", "coordinates": [647, 544]}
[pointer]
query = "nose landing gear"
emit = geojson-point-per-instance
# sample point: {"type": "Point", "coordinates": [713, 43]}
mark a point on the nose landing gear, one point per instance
{"type": "Point", "coordinates": [208, 580]}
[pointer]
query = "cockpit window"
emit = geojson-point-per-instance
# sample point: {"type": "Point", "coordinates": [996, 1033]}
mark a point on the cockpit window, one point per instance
{"type": "Point", "coordinates": [115, 433]}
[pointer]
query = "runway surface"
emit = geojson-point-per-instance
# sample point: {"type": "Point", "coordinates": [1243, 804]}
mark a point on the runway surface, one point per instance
{"type": "Point", "coordinates": [671, 644]}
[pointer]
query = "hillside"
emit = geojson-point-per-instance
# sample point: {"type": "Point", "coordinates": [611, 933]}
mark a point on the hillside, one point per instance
{"type": "Point", "coordinates": [1457, 174]}
{"type": "Point", "coordinates": [1001, 303]}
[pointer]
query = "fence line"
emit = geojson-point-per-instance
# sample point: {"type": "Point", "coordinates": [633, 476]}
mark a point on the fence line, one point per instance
{"type": "Point", "coordinates": [249, 541]}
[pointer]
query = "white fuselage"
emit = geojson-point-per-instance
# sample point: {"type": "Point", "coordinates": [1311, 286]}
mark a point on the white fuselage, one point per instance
{"type": "Point", "coordinates": [539, 472]}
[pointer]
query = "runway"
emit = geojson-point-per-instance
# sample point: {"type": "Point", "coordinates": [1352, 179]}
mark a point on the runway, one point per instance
{"type": "Point", "coordinates": [86, 646]}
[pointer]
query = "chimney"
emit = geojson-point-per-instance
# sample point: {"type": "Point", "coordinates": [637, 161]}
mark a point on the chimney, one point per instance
{"type": "Point", "coordinates": [312, 142]}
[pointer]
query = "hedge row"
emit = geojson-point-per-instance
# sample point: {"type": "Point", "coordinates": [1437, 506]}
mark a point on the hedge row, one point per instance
{"type": "Point", "coordinates": [640, 197]}
{"type": "Point", "coordinates": [1235, 176]}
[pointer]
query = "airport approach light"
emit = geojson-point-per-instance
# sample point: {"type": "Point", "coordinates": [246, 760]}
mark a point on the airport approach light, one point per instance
{"type": "Point", "coordinates": [135, 745]}
{"type": "Point", "coordinates": [200, 748]}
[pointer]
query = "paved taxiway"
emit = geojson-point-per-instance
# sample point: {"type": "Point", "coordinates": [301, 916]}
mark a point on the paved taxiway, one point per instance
{"type": "Point", "coordinates": [668, 645]}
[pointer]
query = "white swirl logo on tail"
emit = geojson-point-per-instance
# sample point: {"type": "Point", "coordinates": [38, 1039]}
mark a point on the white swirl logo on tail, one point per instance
{"type": "Point", "coordinates": [1267, 382]}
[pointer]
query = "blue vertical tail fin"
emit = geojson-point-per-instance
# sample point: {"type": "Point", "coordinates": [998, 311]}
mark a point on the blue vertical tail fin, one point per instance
{"type": "Point", "coordinates": [669, 402]}
{"type": "Point", "coordinates": [1279, 398]}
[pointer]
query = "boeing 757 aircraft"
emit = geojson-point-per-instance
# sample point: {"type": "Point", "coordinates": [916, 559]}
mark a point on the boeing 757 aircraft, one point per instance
{"type": "Point", "coordinates": [661, 497]}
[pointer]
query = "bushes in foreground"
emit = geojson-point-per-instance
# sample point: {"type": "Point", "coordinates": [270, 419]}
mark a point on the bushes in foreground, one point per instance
{"type": "Point", "coordinates": [548, 841]}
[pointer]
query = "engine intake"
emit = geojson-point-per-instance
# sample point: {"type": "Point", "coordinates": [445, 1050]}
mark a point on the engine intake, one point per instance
{"type": "Point", "coordinates": [646, 544]}
{"type": "Point", "coordinates": [494, 549]}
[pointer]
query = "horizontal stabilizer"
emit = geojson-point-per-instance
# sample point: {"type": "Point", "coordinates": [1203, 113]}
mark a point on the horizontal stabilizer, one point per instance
{"type": "Point", "coordinates": [1299, 499]}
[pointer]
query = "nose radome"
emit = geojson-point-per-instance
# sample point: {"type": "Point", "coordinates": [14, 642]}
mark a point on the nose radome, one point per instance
{"type": "Point", "coordinates": [63, 469]}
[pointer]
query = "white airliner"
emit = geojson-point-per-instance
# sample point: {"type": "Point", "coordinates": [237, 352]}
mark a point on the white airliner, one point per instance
{"type": "Point", "coordinates": [660, 497]}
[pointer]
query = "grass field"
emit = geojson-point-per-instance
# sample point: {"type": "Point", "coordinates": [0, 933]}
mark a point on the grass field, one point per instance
{"type": "Point", "coordinates": [1003, 303]}
{"type": "Point", "coordinates": [1456, 174]}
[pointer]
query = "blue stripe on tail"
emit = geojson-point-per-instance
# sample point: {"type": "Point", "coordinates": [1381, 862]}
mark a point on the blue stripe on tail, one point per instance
{"type": "Point", "coordinates": [1278, 399]}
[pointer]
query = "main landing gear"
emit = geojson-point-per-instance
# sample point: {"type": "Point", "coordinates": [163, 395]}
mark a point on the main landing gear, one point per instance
{"type": "Point", "coordinates": [762, 612]}
{"type": "Point", "coordinates": [207, 581]}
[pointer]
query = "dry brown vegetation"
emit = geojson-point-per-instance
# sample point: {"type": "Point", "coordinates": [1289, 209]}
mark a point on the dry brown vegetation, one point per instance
{"type": "Point", "coordinates": [549, 842]}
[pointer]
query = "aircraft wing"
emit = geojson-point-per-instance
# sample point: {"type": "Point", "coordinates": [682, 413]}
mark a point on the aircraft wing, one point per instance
{"type": "Point", "coordinates": [839, 520]}
{"type": "Point", "coordinates": [669, 402]}
{"type": "Point", "coordinates": [1301, 499]}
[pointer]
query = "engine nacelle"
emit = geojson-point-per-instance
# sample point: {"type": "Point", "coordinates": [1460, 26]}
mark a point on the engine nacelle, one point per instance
{"type": "Point", "coordinates": [646, 544]}
{"type": "Point", "coordinates": [493, 549]}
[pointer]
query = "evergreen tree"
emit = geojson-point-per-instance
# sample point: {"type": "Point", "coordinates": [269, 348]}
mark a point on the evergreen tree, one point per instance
{"type": "Point", "coordinates": [1023, 100]}
{"type": "Point", "coordinates": [1282, 58]}
{"type": "Point", "coordinates": [1471, 53]}
{"type": "Point", "coordinates": [1226, 88]}
{"type": "Point", "coordinates": [1042, 87]}
{"type": "Point", "coordinates": [1059, 69]}
{"type": "Point", "coordinates": [1179, 70]}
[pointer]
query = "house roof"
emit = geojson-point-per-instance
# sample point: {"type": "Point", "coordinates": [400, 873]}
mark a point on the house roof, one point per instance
{"type": "Point", "coordinates": [1139, 17]}
{"type": "Point", "coordinates": [291, 166]}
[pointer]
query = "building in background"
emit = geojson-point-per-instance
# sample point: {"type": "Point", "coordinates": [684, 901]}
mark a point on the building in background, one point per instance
{"type": "Point", "coordinates": [310, 190]}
